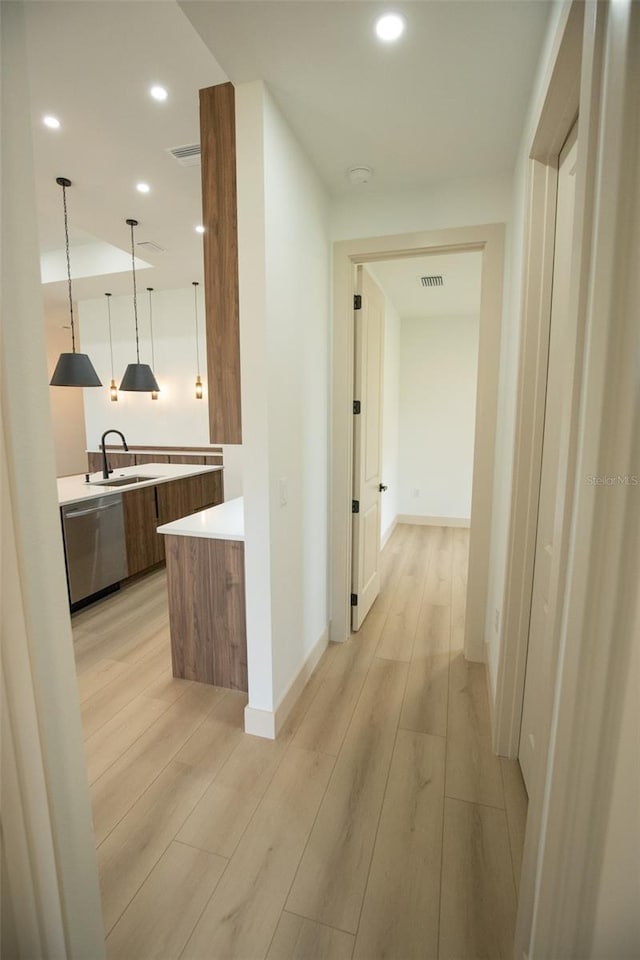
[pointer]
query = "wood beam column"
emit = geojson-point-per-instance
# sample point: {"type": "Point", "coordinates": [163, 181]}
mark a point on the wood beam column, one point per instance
{"type": "Point", "coordinates": [220, 220]}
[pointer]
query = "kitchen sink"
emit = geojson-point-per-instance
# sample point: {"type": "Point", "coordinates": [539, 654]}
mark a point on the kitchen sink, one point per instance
{"type": "Point", "coordinates": [120, 481]}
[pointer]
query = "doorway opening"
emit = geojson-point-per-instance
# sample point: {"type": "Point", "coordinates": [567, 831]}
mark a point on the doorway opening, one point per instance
{"type": "Point", "coordinates": [416, 325]}
{"type": "Point", "coordinates": [487, 240]}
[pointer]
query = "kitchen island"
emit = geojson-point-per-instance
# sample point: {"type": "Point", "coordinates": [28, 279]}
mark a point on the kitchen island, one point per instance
{"type": "Point", "coordinates": [205, 575]}
{"type": "Point", "coordinates": [76, 489]}
{"type": "Point", "coordinates": [110, 524]}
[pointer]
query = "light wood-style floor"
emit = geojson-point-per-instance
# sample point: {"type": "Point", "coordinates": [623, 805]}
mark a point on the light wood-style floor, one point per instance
{"type": "Point", "coordinates": [378, 825]}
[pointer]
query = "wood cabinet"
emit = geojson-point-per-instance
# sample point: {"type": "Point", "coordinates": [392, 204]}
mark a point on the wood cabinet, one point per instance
{"type": "Point", "coordinates": [151, 458]}
{"type": "Point", "coordinates": [182, 497]}
{"type": "Point", "coordinates": [145, 547]}
{"type": "Point", "coordinates": [212, 489]}
{"type": "Point", "coordinates": [181, 458]}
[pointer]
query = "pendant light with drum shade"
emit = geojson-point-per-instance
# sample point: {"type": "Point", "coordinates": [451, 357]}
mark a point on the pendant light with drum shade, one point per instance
{"type": "Point", "coordinates": [138, 376]}
{"type": "Point", "coordinates": [72, 369]}
{"type": "Point", "coordinates": [154, 393]}
{"type": "Point", "coordinates": [113, 387]}
{"type": "Point", "coordinates": [195, 285]}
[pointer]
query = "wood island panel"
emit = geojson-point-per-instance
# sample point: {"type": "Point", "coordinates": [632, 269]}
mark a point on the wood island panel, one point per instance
{"type": "Point", "coordinates": [220, 239]}
{"type": "Point", "coordinates": [207, 610]}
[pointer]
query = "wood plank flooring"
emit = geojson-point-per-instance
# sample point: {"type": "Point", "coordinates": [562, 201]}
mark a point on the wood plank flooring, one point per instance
{"type": "Point", "coordinates": [379, 826]}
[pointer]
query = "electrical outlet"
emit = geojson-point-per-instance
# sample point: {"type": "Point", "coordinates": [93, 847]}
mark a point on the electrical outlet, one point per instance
{"type": "Point", "coordinates": [497, 621]}
{"type": "Point", "coordinates": [284, 491]}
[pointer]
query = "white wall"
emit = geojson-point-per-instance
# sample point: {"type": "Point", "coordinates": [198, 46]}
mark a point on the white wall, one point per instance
{"type": "Point", "coordinates": [390, 419]}
{"type": "Point", "coordinates": [438, 378]}
{"type": "Point", "coordinates": [176, 418]}
{"type": "Point", "coordinates": [284, 329]}
{"type": "Point", "coordinates": [66, 403]}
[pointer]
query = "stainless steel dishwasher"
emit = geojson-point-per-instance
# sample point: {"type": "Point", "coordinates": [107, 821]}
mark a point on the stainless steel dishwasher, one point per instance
{"type": "Point", "coordinates": [94, 545]}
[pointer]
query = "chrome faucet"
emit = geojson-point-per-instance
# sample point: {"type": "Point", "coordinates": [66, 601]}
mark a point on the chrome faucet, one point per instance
{"type": "Point", "coordinates": [106, 469]}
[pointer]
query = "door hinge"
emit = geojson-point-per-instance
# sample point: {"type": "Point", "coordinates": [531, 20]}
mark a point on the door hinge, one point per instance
{"type": "Point", "coordinates": [355, 506]}
{"type": "Point", "coordinates": [357, 302]}
{"type": "Point", "coordinates": [356, 406]}
{"type": "Point", "coordinates": [354, 599]}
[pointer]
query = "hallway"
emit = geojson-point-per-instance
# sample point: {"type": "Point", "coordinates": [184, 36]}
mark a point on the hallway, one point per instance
{"type": "Point", "coordinates": [378, 825]}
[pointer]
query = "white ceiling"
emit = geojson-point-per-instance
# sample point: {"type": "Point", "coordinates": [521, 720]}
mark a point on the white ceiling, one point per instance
{"type": "Point", "coordinates": [448, 100]}
{"type": "Point", "coordinates": [458, 296]}
{"type": "Point", "coordinates": [91, 65]}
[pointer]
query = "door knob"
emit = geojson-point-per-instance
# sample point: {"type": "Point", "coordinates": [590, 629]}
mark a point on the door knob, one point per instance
{"type": "Point", "coordinates": [381, 487]}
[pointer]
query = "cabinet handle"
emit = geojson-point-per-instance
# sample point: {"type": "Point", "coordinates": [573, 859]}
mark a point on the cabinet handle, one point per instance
{"type": "Point", "coordinates": [85, 513]}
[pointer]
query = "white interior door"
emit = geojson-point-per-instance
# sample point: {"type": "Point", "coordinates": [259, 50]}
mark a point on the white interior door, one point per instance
{"type": "Point", "coordinates": [367, 447]}
{"type": "Point", "coordinates": [541, 661]}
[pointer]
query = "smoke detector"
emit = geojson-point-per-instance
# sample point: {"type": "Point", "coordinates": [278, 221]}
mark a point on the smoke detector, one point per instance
{"type": "Point", "coordinates": [360, 174]}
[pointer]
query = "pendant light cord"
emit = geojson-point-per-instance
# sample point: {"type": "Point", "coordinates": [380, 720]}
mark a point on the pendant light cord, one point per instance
{"type": "Point", "coordinates": [135, 297]}
{"type": "Point", "coordinates": [108, 296]}
{"type": "Point", "coordinates": [66, 241]}
{"type": "Point", "coordinates": [195, 302]}
{"type": "Point", "coordinates": [153, 355]}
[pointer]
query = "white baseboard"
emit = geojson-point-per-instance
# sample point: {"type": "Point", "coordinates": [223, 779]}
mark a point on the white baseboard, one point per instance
{"type": "Point", "coordinates": [260, 723]}
{"type": "Point", "coordinates": [434, 521]}
{"type": "Point", "coordinates": [268, 723]}
{"type": "Point", "coordinates": [385, 538]}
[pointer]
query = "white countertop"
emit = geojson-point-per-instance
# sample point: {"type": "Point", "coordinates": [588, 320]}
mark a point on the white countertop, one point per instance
{"type": "Point", "coordinates": [75, 489]}
{"type": "Point", "coordinates": [224, 522]}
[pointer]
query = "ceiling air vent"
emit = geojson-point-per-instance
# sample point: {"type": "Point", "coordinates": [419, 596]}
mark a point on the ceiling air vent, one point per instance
{"type": "Point", "coordinates": [432, 281]}
{"type": "Point", "coordinates": [187, 156]}
{"type": "Point", "coordinates": [150, 246]}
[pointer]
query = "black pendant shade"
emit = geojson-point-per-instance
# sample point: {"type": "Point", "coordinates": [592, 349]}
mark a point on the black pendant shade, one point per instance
{"type": "Point", "coordinates": [139, 376]}
{"type": "Point", "coordinates": [74, 370]}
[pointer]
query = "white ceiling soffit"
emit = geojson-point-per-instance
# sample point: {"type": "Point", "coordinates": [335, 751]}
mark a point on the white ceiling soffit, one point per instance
{"type": "Point", "coordinates": [91, 65]}
{"type": "Point", "coordinates": [447, 100]}
{"type": "Point", "coordinates": [459, 295]}
{"type": "Point", "coordinates": [97, 259]}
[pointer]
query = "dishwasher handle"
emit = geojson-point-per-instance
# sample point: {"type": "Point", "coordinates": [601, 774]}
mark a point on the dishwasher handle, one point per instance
{"type": "Point", "coordinates": [85, 513]}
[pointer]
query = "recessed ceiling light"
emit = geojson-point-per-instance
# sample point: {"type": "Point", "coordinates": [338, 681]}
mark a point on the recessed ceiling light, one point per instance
{"type": "Point", "coordinates": [143, 187]}
{"type": "Point", "coordinates": [200, 228]}
{"type": "Point", "coordinates": [158, 93]}
{"type": "Point", "coordinates": [390, 27]}
{"type": "Point", "coordinates": [52, 122]}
